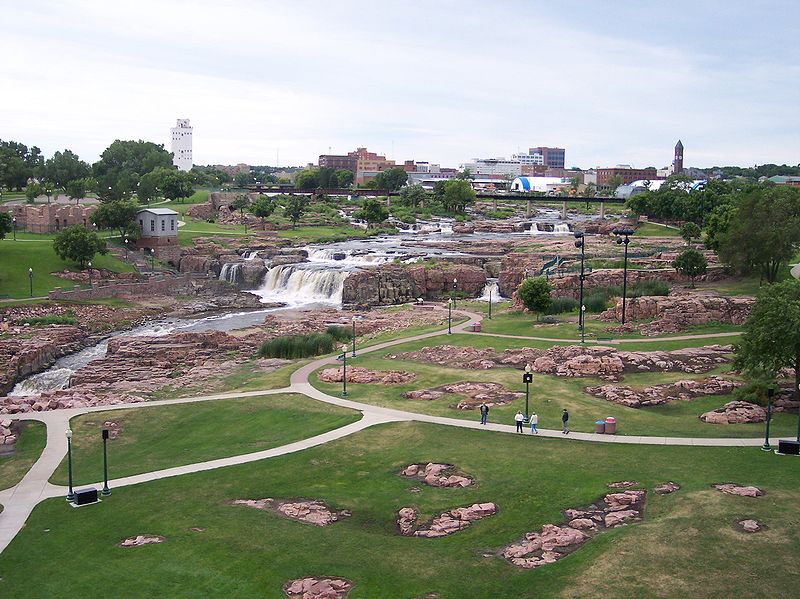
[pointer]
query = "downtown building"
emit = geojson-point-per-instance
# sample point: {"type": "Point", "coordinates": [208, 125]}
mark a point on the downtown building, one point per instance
{"type": "Point", "coordinates": [182, 145]}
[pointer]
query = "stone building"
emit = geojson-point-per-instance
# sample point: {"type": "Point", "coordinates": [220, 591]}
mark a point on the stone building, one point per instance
{"type": "Point", "coordinates": [50, 218]}
{"type": "Point", "coordinates": [159, 233]}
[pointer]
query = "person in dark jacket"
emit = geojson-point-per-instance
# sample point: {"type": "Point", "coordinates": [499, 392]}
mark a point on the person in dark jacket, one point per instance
{"type": "Point", "coordinates": [484, 412]}
{"type": "Point", "coordinates": [565, 422]}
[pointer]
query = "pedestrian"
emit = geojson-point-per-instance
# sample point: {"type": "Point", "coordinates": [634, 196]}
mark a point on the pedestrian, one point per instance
{"type": "Point", "coordinates": [565, 422]}
{"type": "Point", "coordinates": [534, 423]}
{"type": "Point", "coordinates": [519, 419]}
{"type": "Point", "coordinates": [484, 412]}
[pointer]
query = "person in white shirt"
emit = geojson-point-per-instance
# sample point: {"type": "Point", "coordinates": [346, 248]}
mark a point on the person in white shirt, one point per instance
{"type": "Point", "coordinates": [519, 419]}
{"type": "Point", "coordinates": [534, 423]}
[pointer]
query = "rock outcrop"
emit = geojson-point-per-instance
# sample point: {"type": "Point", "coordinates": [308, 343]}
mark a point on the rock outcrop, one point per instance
{"type": "Point", "coordinates": [437, 475]}
{"type": "Point", "coordinates": [741, 491]}
{"type": "Point", "coordinates": [309, 511]}
{"type": "Point", "coordinates": [445, 523]}
{"type": "Point", "coordinates": [364, 376]}
{"type": "Point", "coordinates": [7, 435]}
{"type": "Point", "coordinates": [492, 394]}
{"type": "Point", "coordinates": [749, 525]}
{"type": "Point", "coordinates": [735, 412]}
{"type": "Point", "coordinates": [318, 587]}
{"type": "Point", "coordinates": [666, 488]}
{"type": "Point", "coordinates": [659, 394]}
{"type": "Point", "coordinates": [140, 540]}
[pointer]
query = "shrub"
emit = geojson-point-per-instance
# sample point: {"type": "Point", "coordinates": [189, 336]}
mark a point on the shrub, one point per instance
{"type": "Point", "coordinates": [753, 392]}
{"type": "Point", "coordinates": [549, 319]}
{"type": "Point", "coordinates": [559, 305]}
{"type": "Point", "coordinates": [302, 346]}
{"type": "Point", "coordinates": [339, 333]}
{"type": "Point", "coordinates": [595, 302]}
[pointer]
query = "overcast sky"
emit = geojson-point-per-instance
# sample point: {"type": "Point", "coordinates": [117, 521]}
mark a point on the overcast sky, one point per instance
{"type": "Point", "coordinates": [439, 80]}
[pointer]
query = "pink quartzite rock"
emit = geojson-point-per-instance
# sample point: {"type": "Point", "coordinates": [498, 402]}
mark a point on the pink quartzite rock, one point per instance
{"type": "Point", "coordinates": [492, 394]}
{"type": "Point", "coordinates": [436, 475]}
{"type": "Point", "coordinates": [735, 412]}
{"type": "Point", "coordinates": [318, 587]}
{"type": "Point", "coordinates": [312, 512]}
{"type": "Point", "coordinates": [365, 376]}
{"type": "Point", "coordinates": [622, 484]}
{"type": "Point", "coordinates": [734, 489]}
{"type": "Point", "coordinates": [749, 525]}
{"type": "Point", "coordinates": [666, 488]}
{"type": "Point", "coordinates": [445, 523]}
{"type": "Point", "coordinates": [142, 540]}
{"type": "Point", "coordinates": [659, 394]}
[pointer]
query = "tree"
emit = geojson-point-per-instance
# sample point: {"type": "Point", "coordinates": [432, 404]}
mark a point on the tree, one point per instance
{"type": "Point", "coordinates": [148, 186]}
{"type": "Point", "coordinates": [590, 191]}
{"type": "Point", "coordinates": [18, 164]}
{"type": "Point", "coordinates": [294, 209]}
{"type": "Point", "coordinates": [123, 163]}
{"type": "Point", "coordinates": [241, 202]}
{"type": "Point", "coordinates": [689, 231]}
{"type": "Point", "coordinates": [32, 191]}
{"type": "Point", "coordinates": [48, 190]}
{"type": "Point", "coordinates": [771, 338]}
{"type": "Point", "coordinates": [764, 233]}
{"type": "Point", "coordinates": [79, 245]}
{"type": "Point", "coordinates": [464, 175]}
{"type": "Point", "coordinates": [690, 263]}
{"type": "Point", "coordinates": [372, 211]}
{"type": "Point", "coordinates": [306, 179]}
{"type": "Point", "coordinates": [242, 179]}
{"type": "Point", "coordinates": [174, 184]}
{"type": "Point", "coordinates": [412, 195]}
{"type": "Point", "coordinates": [6, 224]}
{"type": "Point", "coordinates": [78, 188]}
{"type": "Point", "coordinates": [391, 179]}
{"type": "Point", "coordinates": [614, 182]}
{"type": "Point", "coordinates": [119, 215]}
{"type": "Point", "coordinates": [457, 195]}
{"type": "Point", "coordinates": [717, 224]}
{"type": "Point", "coordinates": [535, 294]}
{"type": "Point", "coordinates": [344, 178]}
{"type": "Point", "coordinates": [262, 208]}
{"type": "Point", "coordinates": [64, 167]}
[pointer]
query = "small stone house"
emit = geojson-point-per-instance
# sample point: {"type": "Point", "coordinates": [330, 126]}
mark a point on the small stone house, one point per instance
{"type": "Point", "coordinates": [159, 232]}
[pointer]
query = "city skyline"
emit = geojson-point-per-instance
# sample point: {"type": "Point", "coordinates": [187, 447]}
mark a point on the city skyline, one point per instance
{"type": "Point", "coordinates": [445, 83]}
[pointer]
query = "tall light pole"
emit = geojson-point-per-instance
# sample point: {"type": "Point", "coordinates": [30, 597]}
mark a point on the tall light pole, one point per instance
{"type": "Point", "coordinates": [30, 279]}
{"type": "Point", "coordinates": [449, 316]}
{"type": "Point", "coordinates": [126, 249]}
{"type": "Point", "coordinates": [344, 370]}
{"type": "Point", "coordinates": [455, 286]}
{"type": "Point", "coordinates": [14, 226]}
{"type": "Point", "coordinates": [106, 491]}
{"type": "Point", "coordinates": [152, 259]}
{"type": "Point", "coordinates": [770, 393]}
{"type": "Point", "coordinates": [68, 433]}
{"type": "Point", "coordinates": [580, 242]}
{"type": "Point", "coordinates": [527, 378]}
{"type": "Point", "coordinates": [623, 235]}
{"type": "Point", "coordinates": [90, 274]}
{"type": "Point", "coordinates": [354, 336]}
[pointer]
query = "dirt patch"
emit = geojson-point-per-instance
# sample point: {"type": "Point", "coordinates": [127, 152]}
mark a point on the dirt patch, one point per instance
{"type": "Point", "coordinates": [437, 475]}
{"type": "Point", "coordinates": [551, 543]}
{"type": "Point", "coordinates": [318, 587]}
{"type": "Point", "coordinates": [445, 523]}
{"type": "Point", "coordinates": [311, 511]}
{"type": "Point", "coordinates": [140, 540]}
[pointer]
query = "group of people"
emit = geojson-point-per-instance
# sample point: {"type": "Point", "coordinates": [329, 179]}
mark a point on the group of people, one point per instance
{"type": "Point", "coordinates": [519, 419]}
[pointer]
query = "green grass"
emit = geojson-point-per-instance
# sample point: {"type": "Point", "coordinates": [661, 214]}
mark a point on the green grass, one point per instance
{"type": "Point", "coordinates": [548, 394]}
{"type": "Point", "coordinates": [27, 450]}
{"type": "Point", "coordinates": [17, 257]}
{"type": "Point", "coordinates": [685, 541]}
{"type": "Point", "coordinates": [158, 437]}
{"type": "Point", "coordinates": [656, 230]}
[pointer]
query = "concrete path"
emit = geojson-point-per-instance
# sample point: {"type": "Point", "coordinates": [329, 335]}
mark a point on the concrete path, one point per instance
{"type": "Point", "coordinates": [795, 272]}
{"type": "Point", "coordinates": [20, 500]}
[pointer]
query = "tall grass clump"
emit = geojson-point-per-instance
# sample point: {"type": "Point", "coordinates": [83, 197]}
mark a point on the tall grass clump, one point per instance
{"type": "Point", "coordinates": [559, 305]}
{"type": "Point", "coordinates": [304, 346]}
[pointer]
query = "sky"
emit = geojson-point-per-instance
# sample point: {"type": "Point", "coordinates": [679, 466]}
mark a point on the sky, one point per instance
{"type": "Point", "coordinates": [278, 83]}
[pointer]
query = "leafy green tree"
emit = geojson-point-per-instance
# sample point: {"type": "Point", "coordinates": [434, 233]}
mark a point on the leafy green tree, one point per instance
{"type": "Point", "coordinates": [372, 211]}
{"type": "Point", "coordinates": [590, 191]}
{"type": "Point", "coordinates": [689, 231]}
{"type": "Point", "coordinates": [79, 245]}
{"type": "Point", "coordinates": [718, 223]}
{"type": "Point", "coordinates": [6, 224]}
{"type": "Point", "coordinates": [412, 195]}
{"type": "Point", "coordinates": [48, 190]}
{"type": "Point", "coordinates": [306, 179]}
{"type": "Point", "coordinates": [241, 202]}
{"type": "Point", "coordinates": [464, 175]}
{"type": "Point", "coordinates": [119, 215]}
{"type": "Point", "coordinates": [262, 208]}
{"type": "Point", "coordinates": [764, 233]}
{"type": "Point", "coordinates": [18, 163]}
{"type": "Point", "coordinates": [771, 338]}
{"type": "Point", "coordinates": [123, 163]}
{"type": "Point", "coordinates": [78, 188]}
{"type": "Point", "coordinates": [344, 178]}
{"type": "Point", "coordinates": [295, 208]}
{"type": "Point", "coordinates": [148, 186]}
{"type": "Point", "coordinates": [614, 182]}
{"type": "Point", "coordinates": [691, 264]}
{"type": "Point", "coordinates": [391, 179]}
{"type": "Point", "coordinates": [535, 294]}
{"type": "Point", "coordinates": [458, 194]}
{"type": "Point", "coordinates": [174, 184]}
{"type": "Point", "coordinates": [242, 179]}
{"type": "Point", "coordinates": [32, 191]}
{"type": "Point", "coordinates": [64, 167]}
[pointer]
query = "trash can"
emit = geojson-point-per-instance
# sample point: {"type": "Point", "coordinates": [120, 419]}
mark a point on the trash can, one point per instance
{"type": "Point", "coordinates": [600, 427]}
{"type": "Point", "coordinates": [476, 327]}
{"type": "Point", "coordinates": [610, 425]}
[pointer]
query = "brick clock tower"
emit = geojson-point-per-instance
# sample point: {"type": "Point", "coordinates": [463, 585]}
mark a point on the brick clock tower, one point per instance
{"type": "Point", "coordinates": [677, 162]}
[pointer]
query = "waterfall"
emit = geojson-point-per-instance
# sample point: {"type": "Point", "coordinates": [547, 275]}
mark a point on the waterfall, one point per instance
{"type": "Point", "coordinates": [250, 255]}
{"type": "Point", "coordinates": [561, 228]}
{"type": "Point", "coordinates": [346, 257]}
{"type": "Point", "coordinates": [491, 286]}
{"type": "Point", "coordinates": [230, 272]}
{"type": "Point", "coordinates": [295, 284]}
{"type": "Point", "coordinates": [538, 228]}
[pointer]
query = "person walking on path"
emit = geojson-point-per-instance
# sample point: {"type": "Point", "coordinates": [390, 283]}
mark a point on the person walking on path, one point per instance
{"type": "Point", "coordinates": [565, 422]}
{"type": "Point", "coordinates": [484, 412]}
{"type": "Point", "coordinates": [534, 423]}
{"type": "Point", "coordinates": [519, 418]}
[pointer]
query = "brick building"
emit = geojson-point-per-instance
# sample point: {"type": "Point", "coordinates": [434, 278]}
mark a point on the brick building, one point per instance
{"type": "Point", "coordinates": [626, 173]}
{"type": "Point", "coordinates": [50, 218]}
{"type": "Point", "coordinates": [364, 164]}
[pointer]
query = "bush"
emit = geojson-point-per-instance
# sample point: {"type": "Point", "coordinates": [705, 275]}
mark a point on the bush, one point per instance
{"type": "Point", "coordinates": [559, 305]}
{"type": "Point", "coordinates": [754, 392]}
{"type": "Point", "coordinates": [595, 302]}
{"type": "Point", "coordinates": [549, 319]}
{"type": "Point", "coordinates": [339, 333]}
{"type": "Point", "coordinates": [302, 346]}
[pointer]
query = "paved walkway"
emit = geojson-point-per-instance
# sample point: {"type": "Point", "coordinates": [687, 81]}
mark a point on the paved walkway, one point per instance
{"type": "Point", "coordinates": [35, 487]}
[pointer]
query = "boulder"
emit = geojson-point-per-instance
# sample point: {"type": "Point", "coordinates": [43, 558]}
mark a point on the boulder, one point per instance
{"type": "Point", "coordinates": [317, 587]}
{"type": "Point", "coordinates": [139, 540]}
{"type": "Point", "coordinates": [364, 376]}
{"type": "Point", "coordinates": [735, 412]}
{"type": "Point", "coordinates": [741, 491]}
{"type": "Point", "coordinates": [666, 488]}
{"type": "Point", "coordinates": [311, 511]}
{"type": "Point", "coordinates": [437, 475]}
{"type": "Point", "coordinates": [446, 523]}
{"type": "Point", "coordinates": [750, 525]}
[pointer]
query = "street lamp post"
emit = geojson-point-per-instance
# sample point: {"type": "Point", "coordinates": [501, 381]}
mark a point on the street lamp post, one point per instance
{"type": "Point", "coordinates": [455, 286]}
{"type": "Point", "coordinates": [68, 433]}
{"type": "Point", "coordinates": [526, 274]}
{"type": "Point", "coordinates": [623, 236]}
{"type": "Point", "coordinates": [354, 336]}
{"type": "Point", "coordinates": [126, 249]}
{"type": "Point", "coordinates": [90, 274]}
{"type": "Point", "coordinates": [30, 279]}
{"type": "Point", "coordinates": [152, 259]}
{"type": "Point", "coordinates": [490, 303]}
{"type": "Point", "coordinates": [527, 378]}
{"type": "Point", "coordinates": [770, 393]}
{"type": "Point", "coordinates": [449, 316]}
{"type": "Point", "coordinates": [344, 370]}
{"type": "Point", "coordinates": [106, 491]}
{"type": "Point", "coordinates": [14, 226]}
{"type": "Point", "coordinates": [580, 242]}
{"type": "Point", "coordinates": [583, 317]}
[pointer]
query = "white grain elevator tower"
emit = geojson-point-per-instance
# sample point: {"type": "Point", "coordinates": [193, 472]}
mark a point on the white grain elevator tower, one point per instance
{"type": "Point", "coordinates": [182, 145]}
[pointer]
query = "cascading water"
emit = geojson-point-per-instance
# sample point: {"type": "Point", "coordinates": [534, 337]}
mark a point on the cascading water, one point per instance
{"type": "Point", "coordinates": [300, 284]}
{"type": "Point", "coordinates": [230, 273]}
{"type": "Point", "coordinates": [250, 255]}
{"type": "Point", "coordinates": [538, 228]}
{"type": "Point", "coordinates": [492, 288]}
{"type": "Point", "coordinates": [346, 257]}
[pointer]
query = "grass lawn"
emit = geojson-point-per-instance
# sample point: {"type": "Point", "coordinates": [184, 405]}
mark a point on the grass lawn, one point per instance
{"type": "Point", "coordinates": [38, 254]}
{"type": "Point", "coordinates": [548, 395]}
{"type": "Point", "coordinates": [27, 449]}
{"type": "Point", "coordinates": [165, 436]}
{"type": "Point", "coordinates": [685, 542]}
{"type": "Point", "coordinates": [656, 230]}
